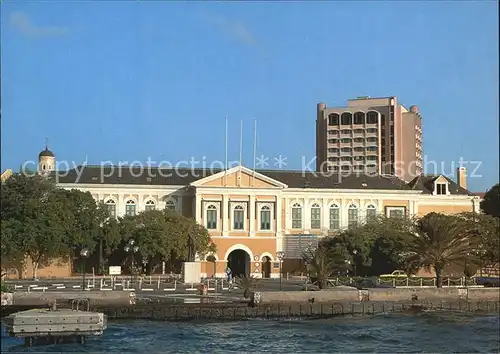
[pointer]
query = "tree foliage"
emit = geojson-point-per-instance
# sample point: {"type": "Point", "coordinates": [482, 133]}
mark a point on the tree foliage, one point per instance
{"type": "Point", "coordinates": [321, 264]}
{"type": "Point", "coordinates": [434, 241]}
{"type": "Point", "coordinates": [44, 222]}
{"type": "Point", "coordinates": [490, 204]}
{"type": "Point", "coordinates": [439, 241]}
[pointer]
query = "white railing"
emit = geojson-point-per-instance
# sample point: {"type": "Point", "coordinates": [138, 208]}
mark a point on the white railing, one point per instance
{"type": "Point", "coordinates": [427, 282]}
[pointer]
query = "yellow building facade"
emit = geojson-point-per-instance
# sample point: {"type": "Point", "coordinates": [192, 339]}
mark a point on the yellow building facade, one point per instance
{"type": "Point", "coordinates": [251, 215]}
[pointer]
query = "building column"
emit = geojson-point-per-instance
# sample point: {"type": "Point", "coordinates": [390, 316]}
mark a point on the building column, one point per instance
{"type": "Point", "coordinates": [411, 208]}
{"type": "Point", "coordinates": [288, 215]}
{"type": "Point", "coordinates": [415, 208]}
{"type": "Point", "coordinates": [278, 228]}
{"type": "Point", "coordinates": [325, 215]}
{"type": "Point", "coordinates": [225, 214]}
{"type": "Point", "coordinates": [120, 210]}
{"type": "Point", "coordinates": [380, 207]}
{"type": "Point", "coordinates": [343, 214]}
{"type": "Point", "coordinates": [306, 214]}
{"type": "Point", "coordinates": [251, 216]}
{"type": "Point", "coordinates": [197, 209]}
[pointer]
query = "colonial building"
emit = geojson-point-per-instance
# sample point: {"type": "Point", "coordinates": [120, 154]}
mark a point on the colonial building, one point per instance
{"type": "Point", "coordinates": [251, 215]}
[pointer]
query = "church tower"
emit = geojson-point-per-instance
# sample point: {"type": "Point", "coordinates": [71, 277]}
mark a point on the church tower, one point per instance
{"type": "Point", "coordinates": [46, 160]}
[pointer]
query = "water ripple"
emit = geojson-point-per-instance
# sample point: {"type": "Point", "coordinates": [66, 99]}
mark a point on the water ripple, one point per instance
{"type": "Point", "coordinates": [396, 333]}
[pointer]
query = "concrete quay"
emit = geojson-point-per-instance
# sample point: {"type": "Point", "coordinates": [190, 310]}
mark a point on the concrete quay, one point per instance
{"type": "Point", "coordinates": [221, 312]}
{"type": "Point", "coordinates": [47, 326]}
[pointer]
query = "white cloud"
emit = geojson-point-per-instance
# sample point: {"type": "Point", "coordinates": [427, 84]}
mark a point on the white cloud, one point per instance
{"type": "Point", "coordinates": [234, 28]}
{"type": "Point", "coordinates": [22, 23]}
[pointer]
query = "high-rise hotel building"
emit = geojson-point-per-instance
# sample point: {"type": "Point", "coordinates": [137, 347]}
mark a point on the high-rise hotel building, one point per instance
{"type": "Point", "coordinates": [370, 135]}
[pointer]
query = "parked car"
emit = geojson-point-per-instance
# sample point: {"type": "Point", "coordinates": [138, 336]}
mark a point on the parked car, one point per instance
{"type": "Point", "coordinates": [488, 281]}
{"type": "Point", "coordinates": [396, 274]}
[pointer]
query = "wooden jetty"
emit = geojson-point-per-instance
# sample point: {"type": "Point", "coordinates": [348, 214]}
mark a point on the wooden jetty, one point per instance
{"type": "Point", "coordinates": [46, 326]}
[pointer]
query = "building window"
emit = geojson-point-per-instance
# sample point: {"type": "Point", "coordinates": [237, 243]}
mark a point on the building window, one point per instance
{"type": "Point", "coordinates": [395, 212]}
{"type": "Point", "coordinates": [211, 217]}
{"type": "Point", "coordinates": [346, 149]}
{"type": "Point", "coordinates": [346, 140]}
{"type": "Point", "coordinates": [170, 204]}
{"type": "Point", "coordinates": [371, 212]}
{"type": "Point", "coordinates": [371, 130]}
{"type": "Point", "coordinates": [334, 217]}
{"type": "Point", "coordinates": [352, 216]}
{"type": "Point", "coordinates": [333, 150]}
{"type": "Point", "coordinates": [333, 119]}
{"type": "Point", "coordinates": [296, 216]}
{"type": "Point", "coordinates": [111, 207]}
{"type": "Point", "coordinates": [130, 207]}
{"type": "Point", "coordinates": [150, 205]}
{"type": "Point", "coordinates": [359, 118]}
{"type": "Point", "coordinates": [333, 141]}
{"type": "Point", "coordinates": [346, 118]}
{"type": "Point", "coordinates": [238, 218]}
{"type": "Point", "coordinates": [441, 188]}
{"type": "Point", "coordinates": [315, 216]}
{"type": "Point", "coordinates": [371, 117]}
{"type": "Point", "coordinates": [265, 218]}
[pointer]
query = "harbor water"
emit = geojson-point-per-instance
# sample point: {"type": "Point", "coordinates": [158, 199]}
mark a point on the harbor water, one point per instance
{"type": "Point", "coordinates": [412, 333]}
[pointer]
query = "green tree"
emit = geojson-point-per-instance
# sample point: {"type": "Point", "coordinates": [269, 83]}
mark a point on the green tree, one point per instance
{"type": "Point", "coordinates": [491, 202]}
{"type": "Point", "coordinates": [390, 239]}
{"type": "Point", "coordinates": [438, 241]}
{"type": "Point", "coordinates": [35, 215]}
{"type": "Point", "coordinates": [163, 236]}
{"type": "Point", "coordinates": [484, 230]}
{"type": "Point", "coordinates": [321, 264]}
{"type": "Point", "coordinates": [45, 222]}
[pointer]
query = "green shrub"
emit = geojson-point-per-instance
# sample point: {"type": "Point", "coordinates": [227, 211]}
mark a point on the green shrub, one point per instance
{"type": "Point", "coordinates": [6, 288]}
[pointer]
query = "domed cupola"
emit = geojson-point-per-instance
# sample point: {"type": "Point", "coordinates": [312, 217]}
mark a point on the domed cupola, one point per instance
{"type": "Point", "coordinates": [46, 153]}
{"type": "Point", "coordinates": [46, 160]}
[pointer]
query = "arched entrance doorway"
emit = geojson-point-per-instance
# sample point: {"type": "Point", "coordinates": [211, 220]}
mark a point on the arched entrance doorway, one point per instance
{"type": "Point", "coordinates": [266, 267]}
{"type": "Point", "coordinates": [211, 266]}
{"type": "Point", "coordinates": [239, 262]}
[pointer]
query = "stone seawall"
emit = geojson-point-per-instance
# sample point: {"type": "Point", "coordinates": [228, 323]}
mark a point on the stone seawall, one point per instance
{"type": "Point", "coordinates": [184, 312]}
{"type": "Point", "coordinates": [95, 298]}
{"type": "Point", "coordinates": [398, 294]}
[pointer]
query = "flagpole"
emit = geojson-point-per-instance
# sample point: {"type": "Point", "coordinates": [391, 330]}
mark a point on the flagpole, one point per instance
{"type": "Point", "coordinates": [241, 142]}
{"type": "Point", "coordinates": [254, 145]}
{"type": "Point", "coordinates": [225, 162]}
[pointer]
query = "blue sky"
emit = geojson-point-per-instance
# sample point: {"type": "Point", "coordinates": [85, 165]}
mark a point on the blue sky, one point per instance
{"type": "Point", "coordinates": [125, 81]}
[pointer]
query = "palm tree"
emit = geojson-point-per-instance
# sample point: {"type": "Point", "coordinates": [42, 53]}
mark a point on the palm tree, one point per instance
{"type": "Point", "coordinates": [439, 241]}
{"type": "Point", "coordinates": [320, 263]}
{"type": "Point", "coordinates": [247, 284]}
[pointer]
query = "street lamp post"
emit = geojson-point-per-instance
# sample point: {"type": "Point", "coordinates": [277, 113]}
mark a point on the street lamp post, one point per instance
{"type": "Point", "coordinates": [132, 249]}
{"type": "Point", "coordinates": [466, 271]}
{"type": "Point", "coordinates": [145, 265]}
{"type": "Point", "coordinates": [281, 256]}
{"type": "Point", "coordinates": [348, 262]}
{"type": "Point", "coordinates": [355, 252]}
{"type": "Point", "coordinates": [84, 253]}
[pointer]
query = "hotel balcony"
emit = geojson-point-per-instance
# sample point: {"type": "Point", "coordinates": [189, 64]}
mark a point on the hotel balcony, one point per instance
{"type": "Point", "coordinates": [359, 133]}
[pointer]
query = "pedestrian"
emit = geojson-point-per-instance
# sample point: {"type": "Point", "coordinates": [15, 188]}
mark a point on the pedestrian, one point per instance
{"type": "Point", "coordinates": [229, 274]}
